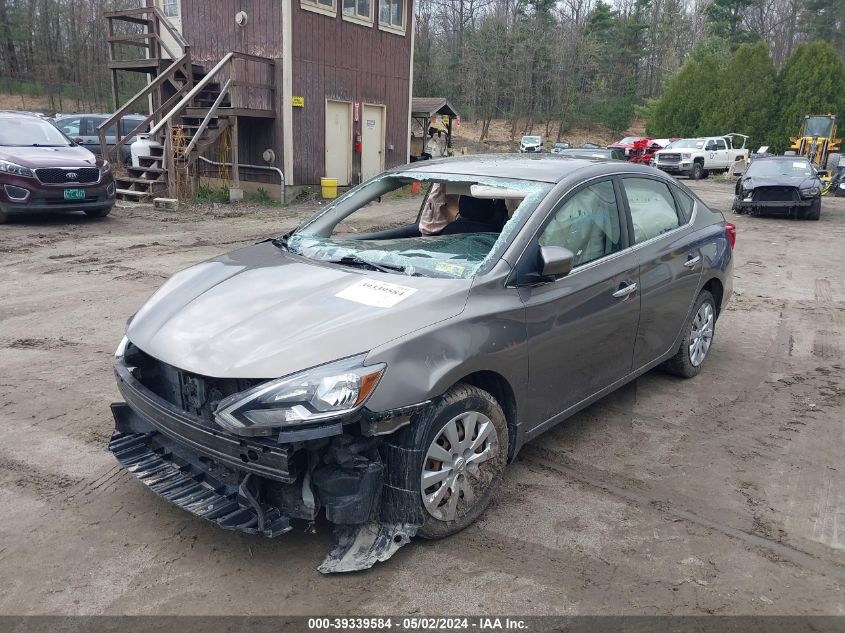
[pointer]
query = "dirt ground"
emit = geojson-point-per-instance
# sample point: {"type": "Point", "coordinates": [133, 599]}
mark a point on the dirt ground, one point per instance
{"type": "Point", "coordinates": [724, 494]}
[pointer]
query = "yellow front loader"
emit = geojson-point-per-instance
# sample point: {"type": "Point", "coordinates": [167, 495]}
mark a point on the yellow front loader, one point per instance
{"type": "Point", "coordinates": [817, 141]}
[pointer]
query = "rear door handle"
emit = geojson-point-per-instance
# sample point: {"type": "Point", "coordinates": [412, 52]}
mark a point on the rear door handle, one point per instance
{"type": "Point", "coordinates": [692, 261]}
{"type": "Point", "coordinates": [624, 292]}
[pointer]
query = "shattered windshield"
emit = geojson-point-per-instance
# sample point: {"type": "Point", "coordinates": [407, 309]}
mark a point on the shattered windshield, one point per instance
{"type": "Point", "coordinates": [461, 223]}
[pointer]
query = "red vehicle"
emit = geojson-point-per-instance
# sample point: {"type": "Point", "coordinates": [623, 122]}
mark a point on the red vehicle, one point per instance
{"type": "Point", "coordinates": [627, 144]}
{"type": "Point", "coordinates": [644, 149]}
{"type": "Point", "coordinates": [43, 171]}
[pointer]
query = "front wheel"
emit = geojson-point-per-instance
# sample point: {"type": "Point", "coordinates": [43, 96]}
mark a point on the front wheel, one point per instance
{"type": "Point", "coordinates": [697, 171]}
{"type": "Point", "coordinates": [698, 338]}
{"type": "Point", "coordinates": [815, 210]}
{"type": "Point", "coordinates": [454, 454]}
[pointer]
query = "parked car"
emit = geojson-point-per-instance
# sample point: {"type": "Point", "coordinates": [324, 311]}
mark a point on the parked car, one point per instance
{"type": "Point", "coordinates": [388, 378]}
{"type": "Point", "coordinates": [698, 157]}
{"type": "Point", "coordinates": [42, 170]}
{"type": "Point", "coordinates": [557, 148]}
{"type": "Point", "coordinates": [84, 129]}
{"type": "Point", "coordinates": [787, 185]}
{"type": "Point", "coordinates": [837, 180]}
{"type": "Point", "coordinates": [597, 153]}
{"type": "Point", "coordinates": [531, 144]}
{"type": "Point", "coordinates": [591, 146]}
{"type": "Point", "coordinates": [627, 144]}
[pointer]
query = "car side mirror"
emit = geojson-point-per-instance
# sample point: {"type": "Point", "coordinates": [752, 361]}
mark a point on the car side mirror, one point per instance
{"type": "Point", "coordinates": [77, 140]}
{"type": "Point", "coordinates": [556, 261]}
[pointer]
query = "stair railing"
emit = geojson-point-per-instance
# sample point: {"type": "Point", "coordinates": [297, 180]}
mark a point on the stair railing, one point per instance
{"type": "Point", "coordinates": [182, 64]}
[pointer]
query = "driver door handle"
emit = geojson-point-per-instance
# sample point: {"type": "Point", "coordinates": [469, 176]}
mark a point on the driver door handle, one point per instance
{"type": "Point", "coordinates": [625, 291]}
{"type": "Point", "coordinates": [692, 261]}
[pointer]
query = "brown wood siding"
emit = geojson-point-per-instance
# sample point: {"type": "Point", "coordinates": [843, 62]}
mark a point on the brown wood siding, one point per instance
{"type": "Point", "coordinates": [210, 29]}
{"type": "Point", "coordinates": [339, 60]}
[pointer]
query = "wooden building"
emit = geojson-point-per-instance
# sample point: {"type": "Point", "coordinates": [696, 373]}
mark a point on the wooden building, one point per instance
{"type": "Point", "coordinates": [324, 84]}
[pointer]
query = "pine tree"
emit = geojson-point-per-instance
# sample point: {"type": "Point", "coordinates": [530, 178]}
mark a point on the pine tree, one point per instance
{"type": "Point", "coordinates": [688, 98]}
{"type": "Point", "coordinates": [811, 82]}
{"type": "Point", "coordinates": [746, 97]}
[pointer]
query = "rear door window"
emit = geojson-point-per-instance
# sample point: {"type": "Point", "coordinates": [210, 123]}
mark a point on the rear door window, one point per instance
{"type": "Point", "coordinates": [684, 203]}
{"type": "Point", "coordinates": [653, 210]}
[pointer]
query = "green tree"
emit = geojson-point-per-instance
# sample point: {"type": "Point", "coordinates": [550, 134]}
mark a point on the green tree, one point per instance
{"type": "Point", "coordinates": [689, 96]}
{"type": "Point", "coordinates": [726, 19]}
{"type": "Point", "coordinates": [825, 20]}
{"type": "Point", "coordinates": [811, 82]}
{"type": "Point", "coordinates": [746, 97]}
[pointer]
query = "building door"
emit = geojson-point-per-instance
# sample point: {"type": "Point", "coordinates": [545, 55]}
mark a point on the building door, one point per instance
{"type": "Point", "coordinates": [339, 141]}
{"type": "Point", "coordinates": [173, 10]}
{"type": "Point", "coordinates": [372, 141]}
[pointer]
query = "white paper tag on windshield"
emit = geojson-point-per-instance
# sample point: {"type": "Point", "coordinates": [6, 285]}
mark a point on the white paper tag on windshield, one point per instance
{"type": "Point", "coordinates": [379, 294]}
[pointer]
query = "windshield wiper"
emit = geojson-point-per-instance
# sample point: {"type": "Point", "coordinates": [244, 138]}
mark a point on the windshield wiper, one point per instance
{"type": "Point", "coordinates": [354, 260]}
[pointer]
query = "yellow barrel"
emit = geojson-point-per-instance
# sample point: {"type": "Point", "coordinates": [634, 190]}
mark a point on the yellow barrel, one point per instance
{"type": "Point", "coordinates": [329, 187]}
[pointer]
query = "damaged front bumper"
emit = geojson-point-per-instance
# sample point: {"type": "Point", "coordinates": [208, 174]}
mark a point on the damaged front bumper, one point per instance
{"type": "Point", "coordinates": [257, 485]}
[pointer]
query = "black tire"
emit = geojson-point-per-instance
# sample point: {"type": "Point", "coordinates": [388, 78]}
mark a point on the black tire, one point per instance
{"type": "Point", "coordinates": [815, 210]}
{"type": "Point", "coordinates": [405, 466]}
{"type": "Point", "coordinates": [681, 363]}
{"type": "Point", "coordinates": [697, 171]}
{"type": "Point", "coordinates": [833, 162]}
{"type": "Point", "coordinates": [4, 217]}
{"type": "Point", "coordinates": [97, 213]}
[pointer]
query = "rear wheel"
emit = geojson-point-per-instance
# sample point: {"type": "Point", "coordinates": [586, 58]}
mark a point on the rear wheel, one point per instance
{"type": "Point", "coordinates": [698, 338]}
{"type": "Point", "coordinates": [454, 454]}
{"type": "Point", "coordinates": [97, 213]}
{"type": "Point", "coordinates": [697, 171]}
{"type": "Point", "coordinates": [833, 162]}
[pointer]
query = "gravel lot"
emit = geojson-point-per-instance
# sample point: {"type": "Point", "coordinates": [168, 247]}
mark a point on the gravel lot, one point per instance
{"type": "Point", "coordinates": [724, 494]}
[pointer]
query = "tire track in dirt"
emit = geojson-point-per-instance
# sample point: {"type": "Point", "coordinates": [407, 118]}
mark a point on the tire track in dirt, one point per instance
{"type": "Point", "coordinates": [665, 502]}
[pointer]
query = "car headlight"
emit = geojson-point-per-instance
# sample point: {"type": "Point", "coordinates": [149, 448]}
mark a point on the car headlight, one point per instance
{"type": "Point", "coordinates": [121, 348]}
{"type": "Point", "coordinates": [12, 168]}
{"type": "Point", "coordinates": [324, 392]}
{"type": "Point", "coordinates": [811, 192]}
{"type": "Point", "coordinates": [105, 167]}
{"type": "Point", "coordinates": [686, 156]}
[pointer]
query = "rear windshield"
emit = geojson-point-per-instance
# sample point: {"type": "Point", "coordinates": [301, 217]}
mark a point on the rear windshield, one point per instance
{"type": "Point", "coordinates": [458, 224]}
{"type": "Point", "coordinates": [31, 132]}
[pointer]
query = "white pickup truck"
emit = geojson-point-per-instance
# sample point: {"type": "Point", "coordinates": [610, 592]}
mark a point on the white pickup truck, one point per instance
{"type": "Point", "coordinates": [698, 157]}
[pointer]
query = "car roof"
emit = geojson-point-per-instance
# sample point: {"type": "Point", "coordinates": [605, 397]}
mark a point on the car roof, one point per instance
{"type": "Point", "coordinates": [548, 168]}
{"type": "Point", "coordinates": [11, 114]}
{"type": "Point", "coordinates": [782, 158]}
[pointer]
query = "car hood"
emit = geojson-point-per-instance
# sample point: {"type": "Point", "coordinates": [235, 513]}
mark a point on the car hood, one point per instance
{"type": "Point", "coordinates": [35, 157]}
{"type": "Point", "coordinates": [751, 182]}
{"type": "Point", "coordinates": [260, 312]}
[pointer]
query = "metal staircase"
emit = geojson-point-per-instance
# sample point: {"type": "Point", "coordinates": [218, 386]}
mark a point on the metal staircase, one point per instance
{"type": "Point", "coordinates": [189, 106]}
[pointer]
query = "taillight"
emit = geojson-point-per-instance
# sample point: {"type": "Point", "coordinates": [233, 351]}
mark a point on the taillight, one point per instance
{"type": "Point", "coordinates": [730, 233]}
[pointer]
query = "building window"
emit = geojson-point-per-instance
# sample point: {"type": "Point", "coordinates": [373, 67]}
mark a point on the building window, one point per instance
{"type": "Point", "coordinates": [358, 11]}
{"type": "Point", "coordinates": [170, 8]}
{"type": "Point", "coordinates": [392, 15]}
{"type": "Point", "coordinates": [328, 7]}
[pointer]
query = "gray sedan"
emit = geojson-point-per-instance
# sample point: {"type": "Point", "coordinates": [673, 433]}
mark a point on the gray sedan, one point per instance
{"type": "Point", "coordinates": [385, 380]}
